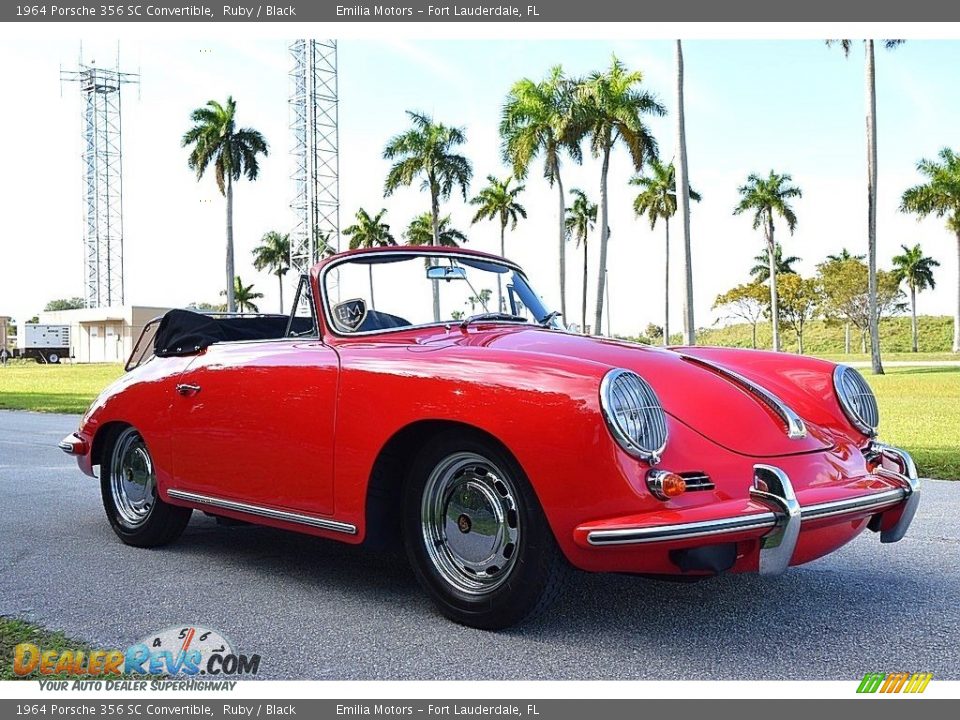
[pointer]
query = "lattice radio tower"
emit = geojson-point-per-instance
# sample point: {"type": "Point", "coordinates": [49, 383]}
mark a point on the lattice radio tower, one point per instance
{"type": "Point", "coordinates": [313, 105]}
{"type": "Point", "coordinates": [102, 180]}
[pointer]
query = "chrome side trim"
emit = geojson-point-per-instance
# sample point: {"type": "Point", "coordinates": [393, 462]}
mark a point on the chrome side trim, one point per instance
{"type": "Point", "coordinates": [272, 513]}
{"type": "Point", "coordinates": [906, 470]}
{"type": "Point", "coordinates": [849, 505]}
{"type": "Point", "coordinates": [682, 531]}
{"type": "Point", "coordinates": [66, 447]}
{"type": "Point", "coordinates": [795, 426]}
{"type": "Point", "coordinates": [773, 487]}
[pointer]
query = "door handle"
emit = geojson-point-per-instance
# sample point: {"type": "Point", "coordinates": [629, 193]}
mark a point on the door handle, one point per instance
{"type": "Point", "coordinates": [185, 389]}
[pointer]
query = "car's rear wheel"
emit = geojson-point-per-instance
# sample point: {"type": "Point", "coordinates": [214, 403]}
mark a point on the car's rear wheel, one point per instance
{"type": "Point", "coordinates": [476, 536]}
{"type": "Point", "coordinates": [128, 486]}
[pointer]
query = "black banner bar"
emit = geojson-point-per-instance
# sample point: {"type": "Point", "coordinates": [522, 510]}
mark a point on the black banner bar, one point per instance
{"type": "Point", "coordinates": [483, 11]}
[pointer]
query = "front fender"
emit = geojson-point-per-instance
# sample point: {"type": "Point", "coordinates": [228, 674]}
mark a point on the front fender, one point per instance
{"type": "Point", "coordinates": [804, 383]}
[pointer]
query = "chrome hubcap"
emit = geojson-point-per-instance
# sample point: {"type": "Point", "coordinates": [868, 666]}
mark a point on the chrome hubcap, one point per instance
{"type": "Point", "coordinates": [471, 526]}
{"type": "Point", "coordinates": [132, 480]}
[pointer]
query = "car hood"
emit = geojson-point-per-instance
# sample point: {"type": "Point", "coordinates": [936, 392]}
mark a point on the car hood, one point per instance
{"type": "Point", "coordinates": [711, 404]}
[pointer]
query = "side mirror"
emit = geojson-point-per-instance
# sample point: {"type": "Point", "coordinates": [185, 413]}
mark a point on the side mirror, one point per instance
{"type": "Point", "coordinates": [446, 272]}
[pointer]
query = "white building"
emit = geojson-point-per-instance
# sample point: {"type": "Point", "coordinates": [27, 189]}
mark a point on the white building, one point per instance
{"type": "Point", "coordinates": [105, 334]}
{"type": "Point", "coordinates": [5, 340]}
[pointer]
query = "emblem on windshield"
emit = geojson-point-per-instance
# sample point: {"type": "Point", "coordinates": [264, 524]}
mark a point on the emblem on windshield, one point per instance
{"type": "Point", "coordinates": [350, 314]}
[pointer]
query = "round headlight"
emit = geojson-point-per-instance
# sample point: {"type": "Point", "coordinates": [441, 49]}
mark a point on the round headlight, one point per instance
{"type": "Point", "coordinates": [634, 414]}
{"type": "Point", "coordinates": [856, 399]}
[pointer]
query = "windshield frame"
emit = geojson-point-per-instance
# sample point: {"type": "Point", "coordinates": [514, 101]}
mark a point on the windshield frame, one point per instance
{"type": "Point", "coordinates": [419, 253]}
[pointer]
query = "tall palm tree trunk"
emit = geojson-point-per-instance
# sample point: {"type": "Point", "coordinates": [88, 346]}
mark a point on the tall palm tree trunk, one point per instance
{"type": "Point", "coordinates": [956, 317]}
{"type": "Point", "coordinates": [231, 302]}
{"type": "Point", "coordinates": [774, 299]}
{"type": "Point", "coordinates": [583, 309]}
{"type": "Point", "coordinates": [666, 285]}
{"type": "Point", "coordinates": [871, 80]}
{"type": "Point", "coordinates": [503, 252]}
{"type": "Point", "coordinates": [609, 331]}
{"type": "Point", "coordinates": [373, 305]}
{"type": "Point", "coordinates": [604, 236]}
{"type": "Point", "coordinates": [280, 278]}
{"type": "Point", "coordinates": [435, 217]}
{"type": "Point", "coordinates": [563, 249]}
{"type": "Point", "coordinates": [913, 318]}
{"type": "Point", "coordinates": [683, 196]}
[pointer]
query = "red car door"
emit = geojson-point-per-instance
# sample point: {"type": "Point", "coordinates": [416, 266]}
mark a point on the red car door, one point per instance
{"type": "Point", "coordinates": [254, 422]}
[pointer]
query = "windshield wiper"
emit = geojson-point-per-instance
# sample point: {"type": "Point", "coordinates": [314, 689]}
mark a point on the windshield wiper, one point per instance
{"type": "Point", "coordinates": [495, 316]}
{"type": "Point", "coordinates": [549, 318]}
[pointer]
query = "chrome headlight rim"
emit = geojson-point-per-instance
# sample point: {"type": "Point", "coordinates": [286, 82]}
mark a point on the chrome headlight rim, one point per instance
{"type": "Point", "coordinates": [630, 445]}
{"type": "Point", "coordinates": [852, 414]}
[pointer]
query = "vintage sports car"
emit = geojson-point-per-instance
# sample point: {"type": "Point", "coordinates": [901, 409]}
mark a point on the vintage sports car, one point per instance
{"type": "Point", "coordinates": [427, 396]}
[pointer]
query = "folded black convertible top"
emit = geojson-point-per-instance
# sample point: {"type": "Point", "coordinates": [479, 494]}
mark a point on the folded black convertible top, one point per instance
{"type": "Point", "coordinates": [184, 332]}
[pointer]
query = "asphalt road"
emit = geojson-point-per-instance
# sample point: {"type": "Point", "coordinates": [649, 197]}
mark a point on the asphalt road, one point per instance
{"type": "Point", "coordinates": [316, 609]}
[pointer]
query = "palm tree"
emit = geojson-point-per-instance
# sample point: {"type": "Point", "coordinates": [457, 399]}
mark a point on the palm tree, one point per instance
{"type": "Point", "coordinates": [369, 232]}
{"type": "Point", "coordinates": [684, 184]}
{"type": "Point", "coordinates": [916, 269]}
{"type": "Point", "coordinates": [843, 255]}
{"type": "Point", "coordinates": [427, 150]}
{"type": "Point", "coordinates": [766, 198]}
{"type": "Point", "coordinates": [498, 201]}
{"type": "Point", "coordinates": [482, 298]}
{"type": "Point", "coordinates": [581, 219]}
{"type": "Point", "coordinates": [538, 118]}
{"type": "Point", "coordinates": [613, 108]}
{"type": "Point", "coordinates": [940, 196]}
{"type": "Point", "coordinates": [871, 100]}
{"type": "Point", "coordinates": [784, 265]}
{"type": "Point", "coordinates": [273, 255]}
{"type": "Point", "coordinates": [420, 232]}
{"type": "Point", "coordinates": [243, 296]}
{"type": "Point", "coordinates": [216, 140]}
{"type": "Point", "coordinates": [658, 201]}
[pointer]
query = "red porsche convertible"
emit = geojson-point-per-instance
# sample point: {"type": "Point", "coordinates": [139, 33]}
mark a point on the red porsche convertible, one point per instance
{"type": "Point", "coordinates": [427, 396]}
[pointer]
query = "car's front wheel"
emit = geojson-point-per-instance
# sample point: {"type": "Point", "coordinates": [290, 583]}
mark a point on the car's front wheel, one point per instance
{"type": "Point", "coordinates": [476, 536]}
{"type": "Point", "coordinates": [128, 486]}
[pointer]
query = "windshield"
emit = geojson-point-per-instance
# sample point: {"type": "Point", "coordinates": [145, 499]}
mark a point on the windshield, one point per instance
{"type": "Point", "coordinates": [377, 292]}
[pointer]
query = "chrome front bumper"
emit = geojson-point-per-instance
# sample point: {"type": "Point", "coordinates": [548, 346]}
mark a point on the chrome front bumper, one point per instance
{"type": "Point", "coordinates": [772, 488]}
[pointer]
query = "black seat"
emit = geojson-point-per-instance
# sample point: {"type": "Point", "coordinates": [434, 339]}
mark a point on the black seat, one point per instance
{"type": "Point", "coordinates": [376, 320]}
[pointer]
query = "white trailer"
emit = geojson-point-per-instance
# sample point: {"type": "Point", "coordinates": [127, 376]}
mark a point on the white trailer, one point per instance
{"type": "Point", "coordinates": [43, 343]}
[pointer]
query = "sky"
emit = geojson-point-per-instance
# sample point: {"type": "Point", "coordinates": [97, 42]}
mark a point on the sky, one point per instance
{"type": "Point", "coordinates": [795, 106]}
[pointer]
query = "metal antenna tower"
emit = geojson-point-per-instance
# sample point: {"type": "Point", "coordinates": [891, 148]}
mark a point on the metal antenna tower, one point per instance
{"type": "Point", "coordinates": [313, 104]}
{"type": "Point", "coordinates": [103, 180]}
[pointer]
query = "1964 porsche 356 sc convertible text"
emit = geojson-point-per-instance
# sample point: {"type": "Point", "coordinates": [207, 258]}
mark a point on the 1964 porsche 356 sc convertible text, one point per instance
{"type": "Point", "coordinates": [427, 396]}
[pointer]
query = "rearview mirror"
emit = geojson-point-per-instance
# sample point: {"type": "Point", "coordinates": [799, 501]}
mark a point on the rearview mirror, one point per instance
{"type": "Point", "coordinates": [446, 272]}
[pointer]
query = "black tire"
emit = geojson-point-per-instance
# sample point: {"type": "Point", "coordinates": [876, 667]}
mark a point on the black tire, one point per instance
{"type": "Point", "coordinates": [156, 523]}
{"type": "Point", "coordinates": [534, 570]}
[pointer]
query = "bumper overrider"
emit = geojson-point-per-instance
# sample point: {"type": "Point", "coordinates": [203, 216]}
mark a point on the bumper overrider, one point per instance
{"type": "Point", "coordinates": [779, 525]}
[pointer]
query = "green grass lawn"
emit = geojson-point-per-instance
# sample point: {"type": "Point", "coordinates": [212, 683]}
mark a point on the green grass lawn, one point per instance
{"type": "Point", "coordinates": [919, 406]}
{"type": "Point", "coordinates": [898, 357]}
{"type": "Point", "coordinates": [53, 388]}
{"type": "Point", "coordinates": [819, 338]}
{"type": "Point", "coordinates": [13, 632]}
{"type": "Point", "coordinates": [920, 412]}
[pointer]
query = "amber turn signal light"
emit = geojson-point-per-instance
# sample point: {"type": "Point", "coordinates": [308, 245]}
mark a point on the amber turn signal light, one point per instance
{"type": "Point", "coordinates": [665, 485]}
